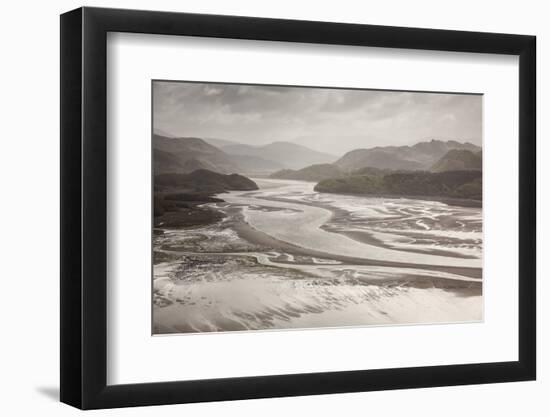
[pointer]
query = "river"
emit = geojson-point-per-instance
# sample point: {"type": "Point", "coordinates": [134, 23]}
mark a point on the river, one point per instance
{"type": "Point", "coordinates": [286, 256]}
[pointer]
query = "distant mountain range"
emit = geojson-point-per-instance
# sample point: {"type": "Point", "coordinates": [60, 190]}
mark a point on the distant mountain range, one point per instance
{"type": "Point", "coordinates": [190, 170]}
{"type": "Point", "coordinates": [186, 154]}
{"type": "Point", "coordinates": [285, 154]}
{"type": "Point", "coordinates": [255, 164]}
{"type": "Point", "coordinates": [183, 155]}
{"type": "Point", "coordinates": [453, 160]}
{"type": "Point", "coordinates": [421, 156]}
{"type": "Point", "coordinates": [287, 160]}
{"type": "Point", "coordinates": [219, 143]}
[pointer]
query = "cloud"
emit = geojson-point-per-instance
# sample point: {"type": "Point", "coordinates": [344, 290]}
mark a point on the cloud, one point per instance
{"type": "Point", "coordinates": [331, 120]}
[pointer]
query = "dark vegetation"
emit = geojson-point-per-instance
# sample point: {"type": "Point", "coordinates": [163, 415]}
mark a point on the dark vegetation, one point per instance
{"type": "Point", "coordinates": [179, 198]}
{"type": "Point", "coordinates": [458, 159]}
{"type": "Point", "coordinates": [204, 181]}
{"type": "Point", "coordinates": [315, 173]}
{"type": "Point", "coordinates": [453, 184]}
{"type": "Point", "coordinates": [322, 172]}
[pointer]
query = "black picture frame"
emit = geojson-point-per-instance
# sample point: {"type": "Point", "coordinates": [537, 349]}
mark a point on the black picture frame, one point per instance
{"type": "Point", "coordinates": [84, 207]}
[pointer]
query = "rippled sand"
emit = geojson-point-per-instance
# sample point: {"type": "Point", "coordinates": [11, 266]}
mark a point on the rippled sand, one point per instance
{"type": "Point", "coordinates": [288, 257]}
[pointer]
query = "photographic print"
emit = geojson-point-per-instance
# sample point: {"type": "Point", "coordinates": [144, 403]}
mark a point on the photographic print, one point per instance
{"type": "Point", "coordinates": [291, 207]}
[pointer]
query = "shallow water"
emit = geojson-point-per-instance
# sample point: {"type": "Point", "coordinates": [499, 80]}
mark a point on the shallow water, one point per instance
{"type": "Point", "coordinates": [311, 259]}
{"type": "Point", "coordinates": [401, 224]}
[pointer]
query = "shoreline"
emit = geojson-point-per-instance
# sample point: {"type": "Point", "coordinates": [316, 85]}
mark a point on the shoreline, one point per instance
{"type": "Point", "coordinates": [361, 236]}
{"type": "Point", "coordinates": [256, 237]}
{"type": "Point", "coordinates": [366, 237]}
{"type": "Point", "coordinates": [450, 201]}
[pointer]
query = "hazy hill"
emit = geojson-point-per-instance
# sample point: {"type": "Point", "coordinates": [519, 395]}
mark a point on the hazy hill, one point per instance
{"type": "Point", "coordinates": [255, 164]}
{"type": "Point", "coordinates": [377, 158]}
{"type": "Point", "coordinates": [212, 141]}
{"type": "Point", "coordinates": [219, 143]}
{"type": "Point", "coordinates": [320, 172]}
{"type": "Point", "coordinates": [204, 181]}
{"type": "Point", "coordinates": [164, 133]}
{"type": "Point", "coordinates": [166, 162]}
{"type": "Point", "coordinates": [458, 159]}
{"type": "Point", "coordinates": [375, 171]}
{"type": "Point", "coordinates": [186, 154]}
{"type": "Point", "coordinates": [421, 156]}
{"type": "Point", "coordinates": [193, 164]}
{"type": "Point", "coordinates": [182, 155]}
{"type": "Point", "coordinates": [286, 154]}
{"type": "Point", "coordinates": [315, 173]}
{"type": "Point", "coordinates": [456, 184]}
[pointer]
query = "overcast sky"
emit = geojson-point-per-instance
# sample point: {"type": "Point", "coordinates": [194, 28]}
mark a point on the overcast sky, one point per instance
{"type": "Point", "coordinates": [329, 120]}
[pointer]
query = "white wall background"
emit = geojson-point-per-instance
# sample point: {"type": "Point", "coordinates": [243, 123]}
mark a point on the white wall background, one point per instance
{"type": "Point", "coordinates": [29, 221]}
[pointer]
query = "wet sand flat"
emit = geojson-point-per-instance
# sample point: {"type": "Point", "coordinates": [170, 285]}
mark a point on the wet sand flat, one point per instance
{"type": "Point", "coordinates": [287, 257]}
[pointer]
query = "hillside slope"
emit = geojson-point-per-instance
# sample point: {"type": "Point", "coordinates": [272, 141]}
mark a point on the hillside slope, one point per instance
{"type": "Point", "coordinates": [456, 184]}
{"type": "Point", "coordinates": [421, 156]}
{"type": "Point", "coordinates": [204, 181]}
{"type": "Point", "coordinates": [285, 154]}
{"type": "Point", "coordinates": [183, 150]}
{"type": "Point", "coordinates": [315, 173]}
{"type": "Point", "coordinates": [458, 159]}
{"type": "Point", "coordinates": [179, 199]}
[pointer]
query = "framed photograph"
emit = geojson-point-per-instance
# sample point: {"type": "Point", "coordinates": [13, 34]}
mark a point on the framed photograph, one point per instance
{"type": "Point", "coordinates": [257, 208]}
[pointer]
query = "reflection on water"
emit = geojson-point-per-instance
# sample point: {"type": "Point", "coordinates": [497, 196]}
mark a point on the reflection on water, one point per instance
{"type": "Point", "coordinates": [285, 256]}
